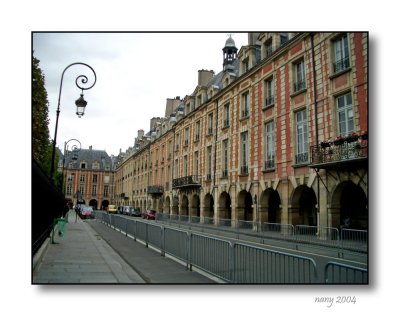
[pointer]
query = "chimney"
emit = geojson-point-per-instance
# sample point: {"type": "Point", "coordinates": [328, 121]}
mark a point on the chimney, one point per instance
{"type": "Point", "coordinates": [90, 147]}
{"type": "Point", "coordinates": [204, 77]}
{"type": "Point", "coordinates": [171, 106]}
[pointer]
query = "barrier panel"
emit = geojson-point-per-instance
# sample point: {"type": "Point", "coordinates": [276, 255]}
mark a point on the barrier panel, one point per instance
{"type": "Point", "coordinates": [212, 255]}
{"type": "Point", "coordinates": [355, 240]}
{"type": "Point", "coordinates": [176, 243]}
{"type": "Point", "coordinates": [259, 265]}
{"type": "Point", "coordinates": [337, 273]}
{"type": "Point", "coordinates": [154, 235]}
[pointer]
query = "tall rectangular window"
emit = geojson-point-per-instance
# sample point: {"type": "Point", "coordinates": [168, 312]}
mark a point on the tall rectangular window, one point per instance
{"type": "Point", "coordinates": [94, 189]}
{"type": "Point", "coordinates": [185, 166]}
{"type": "Point", "coordinates": [196, 164]}
{"type": "Point", "coordinates": [187, 132]}
{"type": "Point", "coordinates": [225, 158]}
{"type": "Point", "coordinates": [245, 104]}
{"type": "Point", "coordinates": [197, 131]}
{"type": "Point", "coordinates": [345, 114]}
{"type": "Point", "coordinates": [210, 123]}
{"type": "Point", "coordinates": [299, 76]}
{"type": "Point", "coordinates": [225, 116]}
{"type": "Point", "coordinates": [105, 190]}
{"type": "Point", "coordinates": [69, 189]}
{"type": "Point", "coordinates": [270, 145]}
{"type": "Point", "coordinates": [209, 162]}
{"type": "Point", "coordinates": [269, 91]}
{"type": "Point", "coordinates": [341, 52]}
{"type": "Point", "coordinates": [94, 178]}
{"type": "Point", "coordinates": [301, 137]}
{"type": "Point", "coordinates": [268, 47]}
{"type": "Point", "coordinates": [244, 153]}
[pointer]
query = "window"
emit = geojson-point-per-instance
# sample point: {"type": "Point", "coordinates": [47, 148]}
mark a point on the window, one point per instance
{"type": "Point", "coordinates": [245, 104]}
{"type": "Point", "coordinates": [226, 116]}
{"type": "Point", "coordinates": [268, 47]}
{"type": "Point", "coordinates": [269, 92]}
{"type": "Point", "coordinates": [198, 103]}
{"type": "Point", "coordinates": [95, 165]}
{"type": "Point", "coordinates": [245, 65]}
{"type": "Point", "coordinates": [82, 189]}
{"type": "Point", "coordinates": [187, 110]}
{"type": "Point", "coordinates": [210, 123]}
{"type": "Point", "coordinates": [345, 114]}
{"type": "Point", "coordinates": [177, 141]}
{"type": "Point", "coordinates": [301, 137]}
{"type": "Point", "coordinates": [299, 76]}
{"type": "Point", "coordinates": [186, 136]}
{"type": "Point", "coordinates": [225, 158]}
{"type": "Point", "coordinates": [341, 53]}
{"type": "Point", "coordinates": [94, 189]}
{"type": "Point", "coordinates": [270, 145]}
{"type": "Point", "coordinates": [196, 163]}
{"type": "Point", "coordinates": [83, 165]}
{"type": "Point", "coordinates": [107, 179]}
{"type": "Point", "coordinates": [197, 132]}
{"type": "Point", "coordinates": [244, 153]}
{"type": "Point", "coordinates": [94, 178]}
{"type": "Point", "coordinates": [209, 162]}
{"type": "Point", "coordinates": [284, 37]}
{"type": "Point", "coordinates": [69, 189]}
{"type": "Point", "coordinates": [105, 190]}
{"type": "Point", "coordinates": [82, 178]}
{"type": "Point", "coordinates": [185, 166]}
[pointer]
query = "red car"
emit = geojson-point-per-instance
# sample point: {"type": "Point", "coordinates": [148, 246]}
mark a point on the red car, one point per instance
{"type": "Point", "coordinates": [86, 212]}
{"type": "Point", "coordinates": [150, 214]}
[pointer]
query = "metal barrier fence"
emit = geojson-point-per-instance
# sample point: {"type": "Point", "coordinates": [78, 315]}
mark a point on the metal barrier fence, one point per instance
{"type": "Point", "coordinates": [343, 239]}
{"type": "Point", "coordinates": [259, 265]}
{"type": "Point", "coordinates": [236, 262]}
{"type": "Point", "coordinates": [337, 273]}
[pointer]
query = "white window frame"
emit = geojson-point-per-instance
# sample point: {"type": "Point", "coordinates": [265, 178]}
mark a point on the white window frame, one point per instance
{"type": "Point", "coordinates": [244, 152]}
{"type": "Point", "coordinates": [270, 145]}
{"type": "Point", "coordinates": [345, 114]}
{"type": "Point", "coordinates": [301, 137]}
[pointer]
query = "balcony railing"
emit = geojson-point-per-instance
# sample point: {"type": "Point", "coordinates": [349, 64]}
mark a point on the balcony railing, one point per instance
{"type": "Point", "coordinates": [187, 181]}
{"type": "Point", "coordinates": [341, 150]}
{"type": "Point", "coordinates": [155, 189]}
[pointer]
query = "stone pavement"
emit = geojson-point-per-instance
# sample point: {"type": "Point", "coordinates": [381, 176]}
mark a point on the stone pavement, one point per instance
{"type": "Point", "coordinates": [82, 256]}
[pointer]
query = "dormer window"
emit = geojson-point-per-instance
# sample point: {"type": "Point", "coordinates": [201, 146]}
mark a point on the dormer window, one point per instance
{"type": "Point", "coordinates": [83, 165]}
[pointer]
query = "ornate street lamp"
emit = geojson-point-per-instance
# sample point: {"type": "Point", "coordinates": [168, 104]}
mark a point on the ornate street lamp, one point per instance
{"type": "Point", "coordinates": [80, 105]}
{"type": "Point", "coordinates": [75, 149]}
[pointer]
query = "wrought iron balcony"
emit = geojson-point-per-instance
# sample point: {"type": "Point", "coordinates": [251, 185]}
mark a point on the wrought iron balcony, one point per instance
{"type": "Point", "coordinates": [347, 149]}
{"type": "Point", "coordinates": [184, 182]}
{"type": "Point", "coordinates": [155, 189]}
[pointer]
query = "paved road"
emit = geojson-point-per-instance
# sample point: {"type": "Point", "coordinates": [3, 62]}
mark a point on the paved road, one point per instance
{"type": "Point", "coordinates": [148, 263]}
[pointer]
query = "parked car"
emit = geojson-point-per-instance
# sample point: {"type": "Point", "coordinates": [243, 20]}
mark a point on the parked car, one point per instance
{"type": "Point", "coordinates": [112, 209]}
{"type": "Point", "coordinates": [127, 210]}
{"type": "Point", "coordinates": [86, 212]}
{"type": "Point", "coordinates": [150, 214]}
{"type": "Point", "coordinates": [136, 212]}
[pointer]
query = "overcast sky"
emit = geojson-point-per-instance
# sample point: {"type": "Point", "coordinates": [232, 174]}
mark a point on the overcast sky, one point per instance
{"type": "Point", "coordinates": [136, 73]}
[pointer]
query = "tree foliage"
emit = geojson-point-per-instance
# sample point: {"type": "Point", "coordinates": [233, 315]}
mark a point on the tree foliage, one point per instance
{"type": "Point", "coordinates": [41, 144]}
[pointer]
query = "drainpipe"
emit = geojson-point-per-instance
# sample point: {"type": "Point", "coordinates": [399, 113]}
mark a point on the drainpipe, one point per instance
{"type": "Point", "coordinates": [315, 115]}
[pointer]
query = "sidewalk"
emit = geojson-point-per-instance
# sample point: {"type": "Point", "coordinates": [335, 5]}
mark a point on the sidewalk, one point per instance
{"type": "Point", "coordinates": [81, 256]}
{"type": "Point", "coordinates": [86, 255]}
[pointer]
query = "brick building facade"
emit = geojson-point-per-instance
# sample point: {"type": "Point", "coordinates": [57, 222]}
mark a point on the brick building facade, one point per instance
{"type": "Point", "coordinates": [280, 135]}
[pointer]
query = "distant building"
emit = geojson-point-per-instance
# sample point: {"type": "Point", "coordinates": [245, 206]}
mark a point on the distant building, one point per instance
{"type": "Point", "coordinates": [280, 135]}
{"type": "Point", "coordinates": [88, 177]}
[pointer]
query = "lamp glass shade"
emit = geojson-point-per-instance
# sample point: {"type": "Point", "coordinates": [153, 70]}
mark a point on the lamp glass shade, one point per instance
{"type": "Point", "coordinates": [80, 106]}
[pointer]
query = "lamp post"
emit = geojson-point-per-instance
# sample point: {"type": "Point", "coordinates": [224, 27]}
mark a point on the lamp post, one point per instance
{"type": "Point", "coordinates": [75, 148]}
{"type": "Point", "coordinates": [80, 105]}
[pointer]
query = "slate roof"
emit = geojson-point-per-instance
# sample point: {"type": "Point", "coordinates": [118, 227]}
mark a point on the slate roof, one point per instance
{"type": "Point", "coordinates": [90, 156]}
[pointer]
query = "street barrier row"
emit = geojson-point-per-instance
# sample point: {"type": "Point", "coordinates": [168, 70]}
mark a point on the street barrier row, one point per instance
{"type": "Point", "coordinates": [341, 239]}
{"type": "Point", "coordinates": [233, 262]}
